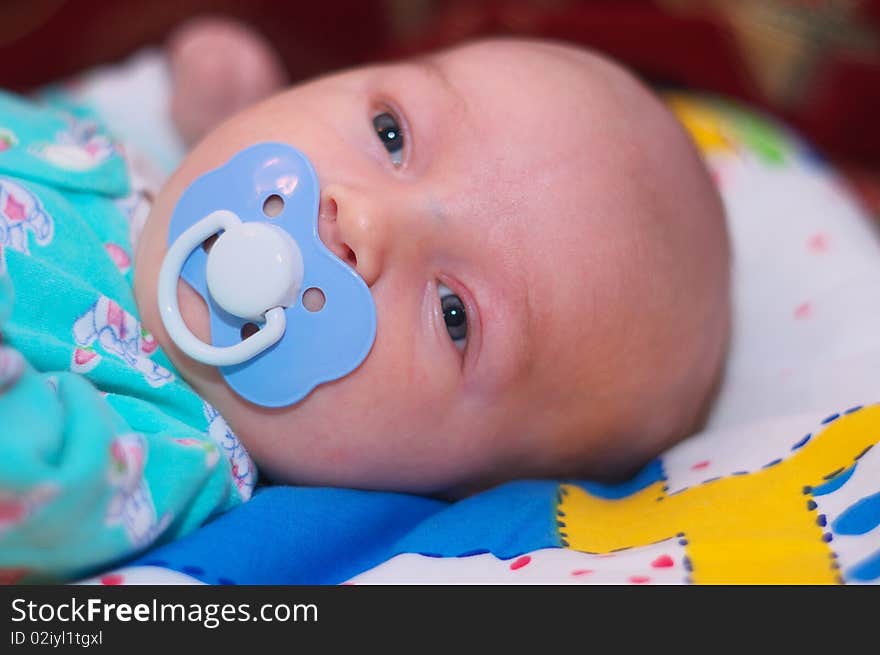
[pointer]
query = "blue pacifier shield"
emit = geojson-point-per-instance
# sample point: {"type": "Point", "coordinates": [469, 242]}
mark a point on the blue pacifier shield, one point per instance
{"type": "Point", "coordinates": [317, 346]}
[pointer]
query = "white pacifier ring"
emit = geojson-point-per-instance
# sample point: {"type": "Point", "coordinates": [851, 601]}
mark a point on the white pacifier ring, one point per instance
{"type": "Point", "coordinates": [254, 270]}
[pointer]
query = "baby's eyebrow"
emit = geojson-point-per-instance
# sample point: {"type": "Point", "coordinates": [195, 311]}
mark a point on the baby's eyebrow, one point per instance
{"type": "Point", "coordinates": [431, 68]}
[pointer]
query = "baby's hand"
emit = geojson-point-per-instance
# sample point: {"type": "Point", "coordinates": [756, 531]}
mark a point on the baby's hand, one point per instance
{"type": "Point", "coordinates": [218, 66]}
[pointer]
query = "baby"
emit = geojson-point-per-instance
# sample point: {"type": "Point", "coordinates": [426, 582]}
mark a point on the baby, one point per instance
{"type": "Point", "coordinates": [549, 264]}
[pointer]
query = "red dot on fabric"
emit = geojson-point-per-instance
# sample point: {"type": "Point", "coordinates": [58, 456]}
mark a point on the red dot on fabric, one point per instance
{"type": "Point", "coordinates": [818, 243]}
{"type": "Point", "coordinates": [700, 465]}
{"type": "Point", "coordinates": [520, 562]}
{"type": "Point", "coordinates": [111, 579]}
{"type": "Point", "coordinates": [804, 310]}
{"type": "Point", "coordinates": [581, 571]}
{"type": "Point", "coordinates": [663, 562]}
{"type": "Point", "coordinates": [639, 579]}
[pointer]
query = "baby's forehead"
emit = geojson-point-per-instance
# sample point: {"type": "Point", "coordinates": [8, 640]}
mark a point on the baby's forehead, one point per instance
{"type": "Point", "coordinates": [550, 93]}
{"type": "Point", "coordinates": [548, 65]}
{"type": "Point", "coordinates": [515, 51]}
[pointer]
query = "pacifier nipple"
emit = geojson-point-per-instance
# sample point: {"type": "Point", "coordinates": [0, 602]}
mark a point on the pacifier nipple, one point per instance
{"type": "Point", "coordinates": [252, 268]}
{"type": "Point", "coordinates": [254, 271]}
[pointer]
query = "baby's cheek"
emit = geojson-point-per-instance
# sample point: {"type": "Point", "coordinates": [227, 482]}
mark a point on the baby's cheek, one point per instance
{"type": "Point", "coordinates": [274, 454]}
{"type": "Point", "coordinates": [194, 311]}
{"type": "Point", "coordinates": [382, 427]}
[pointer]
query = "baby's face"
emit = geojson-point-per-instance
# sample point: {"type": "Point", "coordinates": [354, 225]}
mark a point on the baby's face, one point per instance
{"type": "Point", "coordinates": [494, 199]}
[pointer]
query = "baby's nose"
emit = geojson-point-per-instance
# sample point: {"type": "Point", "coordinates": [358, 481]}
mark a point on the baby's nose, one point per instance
{"type": "Point", "coordinates": [348, 226]}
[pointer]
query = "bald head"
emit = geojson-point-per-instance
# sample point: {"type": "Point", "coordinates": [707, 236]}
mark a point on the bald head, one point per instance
{"type": "Point", "coordinates": [546, 196]}
{"type": "Point", "coordinates": [636, 317]}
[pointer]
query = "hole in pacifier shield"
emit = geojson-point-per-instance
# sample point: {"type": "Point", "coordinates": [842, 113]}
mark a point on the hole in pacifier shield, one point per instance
{"type": "Point", "coordinates": [248, 330]}
{"type": "Point", "coordinates": [273, 205]}
{"type": "Point", "coordinates": [313, 299]}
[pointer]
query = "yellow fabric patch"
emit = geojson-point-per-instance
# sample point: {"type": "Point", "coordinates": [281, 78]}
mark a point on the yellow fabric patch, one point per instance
{"type": "Point", "coordinates": [756, 528]}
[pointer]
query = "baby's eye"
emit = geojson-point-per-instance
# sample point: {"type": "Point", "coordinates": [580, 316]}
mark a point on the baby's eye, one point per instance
{"type": "Point", "coordinates": [454, 316]}
{"type": "Point", "coordinates": [391, 136]}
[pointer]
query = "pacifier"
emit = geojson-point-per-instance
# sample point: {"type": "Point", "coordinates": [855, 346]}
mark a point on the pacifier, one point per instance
{"type": "Point", "coordinates": [272, 349]}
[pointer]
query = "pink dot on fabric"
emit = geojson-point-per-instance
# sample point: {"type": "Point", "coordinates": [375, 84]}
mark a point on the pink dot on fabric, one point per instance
{"type": "Point", "coordinates": [119, 256]}
{"type": "Point", "coordinates": [81, 356]}
{"type": "Point", "coordinates": [520, 562]}
{"type": "Point", "coordinates": [12, 511]}
{"type": "Point", "coordinates": [700, 465]}
{"type": "Point", "coordinates": [804, 310]}
{"type": "Point", "coordinates": [639, 579]}
{"type": "Point", "coordinates": [818, 243]}
{"type": "Point", "coordinates": [663, 562]}
{"type": "Point", "coordinates": [14, 210]}
{"type": "Point", "coordinates": [581, 571]}
{"type": "Point", "coordinates": [111, 579]}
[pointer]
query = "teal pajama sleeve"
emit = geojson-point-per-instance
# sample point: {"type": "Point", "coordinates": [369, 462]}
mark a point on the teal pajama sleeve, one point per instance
{"type": "Point", "coordinates": [106, 450]}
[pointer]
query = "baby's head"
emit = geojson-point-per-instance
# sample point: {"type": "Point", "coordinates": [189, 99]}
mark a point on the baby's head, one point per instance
{"type": "Point", "coordinates": [547, 255]}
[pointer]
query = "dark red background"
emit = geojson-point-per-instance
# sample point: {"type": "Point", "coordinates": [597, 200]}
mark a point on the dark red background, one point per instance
{"type": "Point", "coordinates": [837, 108]}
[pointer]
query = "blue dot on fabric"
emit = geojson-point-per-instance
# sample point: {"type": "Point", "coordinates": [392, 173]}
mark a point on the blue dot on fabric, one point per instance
{"type": "Point", "coordinates": [867, 570]}
{"type": "Point", "coordinates": [834, 483]}
{"type": "Point", "coordinates": [860, 517]}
